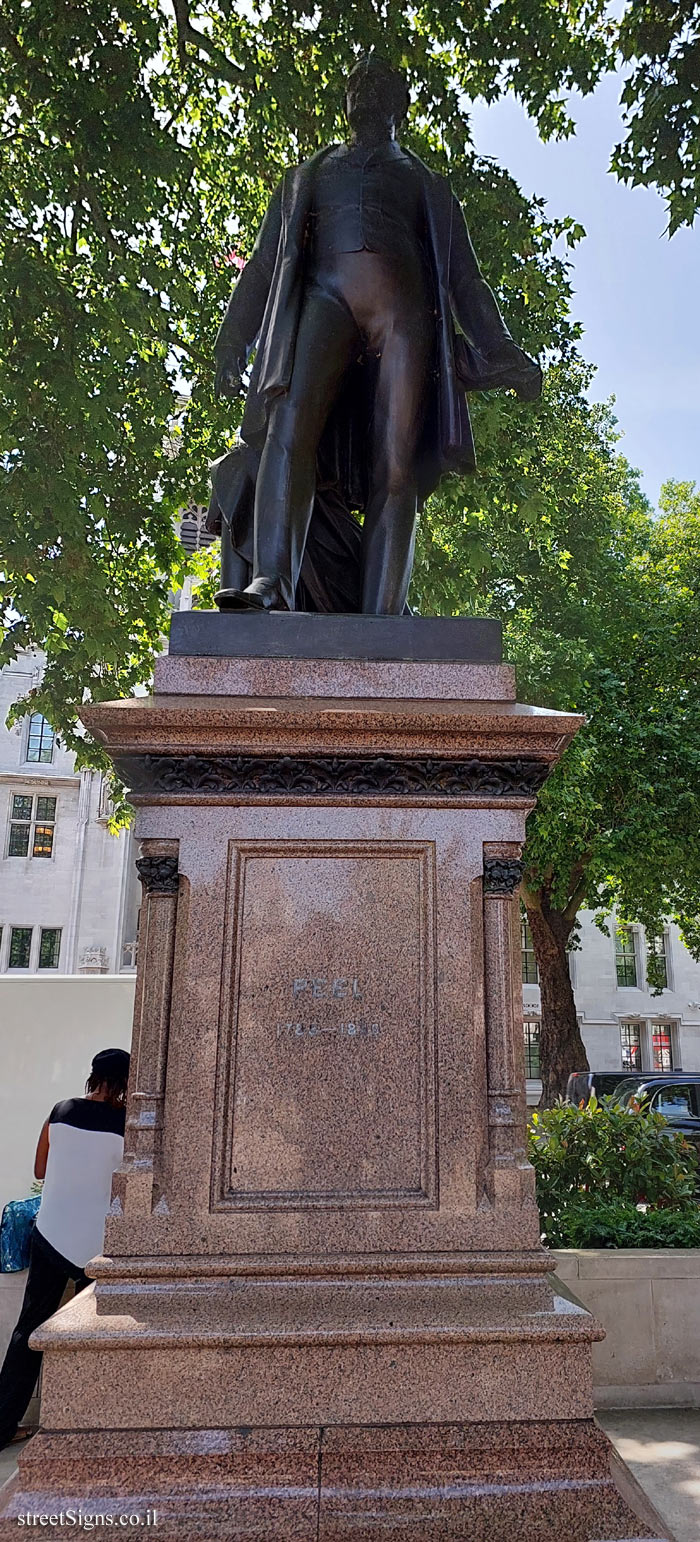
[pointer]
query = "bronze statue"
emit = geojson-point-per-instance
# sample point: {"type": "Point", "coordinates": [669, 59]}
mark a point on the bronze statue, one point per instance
{"type": "Point", "coordinates": [357, 397]}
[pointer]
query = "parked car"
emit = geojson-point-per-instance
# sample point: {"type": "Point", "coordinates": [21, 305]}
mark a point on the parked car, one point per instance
{"type": "Point", "coordinates": [602, 1083]}
{"type": "Point", "coordinates": [605, 1083]}
{"type": "Point", "coordinates": [675, 1094]}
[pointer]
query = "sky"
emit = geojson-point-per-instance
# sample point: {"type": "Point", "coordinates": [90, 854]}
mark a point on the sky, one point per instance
{"type": "Point", "coordinates": [636, 292]}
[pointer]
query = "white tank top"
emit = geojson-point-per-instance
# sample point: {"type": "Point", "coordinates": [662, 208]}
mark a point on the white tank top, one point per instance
{"type": "Point", "coordinates": [86, 1144]}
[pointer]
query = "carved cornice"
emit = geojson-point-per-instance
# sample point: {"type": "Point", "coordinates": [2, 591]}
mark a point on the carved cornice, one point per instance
{"type": "Point", "coordinates": [158, 874]}
{"type": "Point", "coordinates": [502, 875]}
{"type": "Point", "coordinates": [329, 776]}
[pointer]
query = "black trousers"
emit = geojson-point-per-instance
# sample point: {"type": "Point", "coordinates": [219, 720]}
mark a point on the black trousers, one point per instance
{"type": "Point", "coordinates": [49, 1273]}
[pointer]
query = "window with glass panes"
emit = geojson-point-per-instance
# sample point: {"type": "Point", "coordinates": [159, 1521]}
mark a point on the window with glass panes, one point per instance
{"type": "Point", "coordinates": [656, 947]}
{"type": "Point", "coordinates": [631, 1046]}
{"type": "Point", "coordinates": [674, 1102]}
{"type": "Point", "coordinates": [531, 974]}
{"type": "Point", "coordinates": [625, 956]}
{"type": "Point", "coordinates": [531, 1031]}
{"type": "Point", "coordinates": [20, 947]}
{"type": "Point", "coordinates": [662, 1047]}
{"type": "Point", "coordinates": [32, 821]}
{"type": "Point", "coordinates": [49, 947]}
{"type": "Point", "coordinates": [40, 739]}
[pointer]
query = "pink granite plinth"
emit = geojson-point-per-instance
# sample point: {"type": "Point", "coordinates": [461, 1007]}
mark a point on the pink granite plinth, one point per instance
{"type": "Point", "coordinates": [539, 1482]}
{"type": "Point", "coordinates": [323, 1310]}
{"type": "Point", "coordinates": [258, 1352]}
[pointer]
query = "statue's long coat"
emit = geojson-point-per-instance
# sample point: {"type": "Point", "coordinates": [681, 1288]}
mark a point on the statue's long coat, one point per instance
{"type": "Point", "coordinates": [266, 304]}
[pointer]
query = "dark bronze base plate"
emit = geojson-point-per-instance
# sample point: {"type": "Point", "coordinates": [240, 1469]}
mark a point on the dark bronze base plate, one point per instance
{"type": "Point", "coordinates": [301, 635]}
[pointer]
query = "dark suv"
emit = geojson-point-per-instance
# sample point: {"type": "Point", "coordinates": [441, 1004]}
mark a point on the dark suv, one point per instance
{"type": "Point", "coordinates": [605, 1083]}
{"type": "Point", "coordinates": [675, 1094]}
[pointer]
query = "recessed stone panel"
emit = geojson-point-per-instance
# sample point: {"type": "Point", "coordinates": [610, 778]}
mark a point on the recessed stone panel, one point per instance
{"type": "Point", "coordinates": [327, 1053]}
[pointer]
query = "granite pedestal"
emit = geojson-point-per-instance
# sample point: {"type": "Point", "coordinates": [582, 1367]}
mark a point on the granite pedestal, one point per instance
{"type": "Point", "coordinates": [323, 1311]}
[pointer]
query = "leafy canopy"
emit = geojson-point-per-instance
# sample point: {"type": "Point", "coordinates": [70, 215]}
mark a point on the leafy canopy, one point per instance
{"type": "Point", "coordinates": [660, 41]}
{"type": "Point", "coordinates": [617, 823]}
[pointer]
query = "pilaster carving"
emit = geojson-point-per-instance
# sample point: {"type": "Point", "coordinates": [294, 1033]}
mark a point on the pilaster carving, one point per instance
{"type": "Point", "coordinates": [158, 873]}
{"type": "Point", "coordinates": [502, 875]}
{"type": "Point", "coordinates": [158, 870]}
{"type": "Point", "coordinates": [509, 1176]}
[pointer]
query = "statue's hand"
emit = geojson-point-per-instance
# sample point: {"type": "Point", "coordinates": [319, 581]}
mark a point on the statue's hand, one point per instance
{"type": "Point", "coordinates": [529, 387]}
{"type": "Point", "coordinates": [227, 381]}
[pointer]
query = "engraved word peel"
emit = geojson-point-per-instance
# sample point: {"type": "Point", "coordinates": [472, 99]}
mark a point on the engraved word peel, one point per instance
{"type": "Point", "coordinates": [323, 989]}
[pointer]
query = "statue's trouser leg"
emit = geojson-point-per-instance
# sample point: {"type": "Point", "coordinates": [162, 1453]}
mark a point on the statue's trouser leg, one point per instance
{"type": "Point", "coordinates": [399, 410]}
{"type": "Point", "coordinates": [326, 344]}
{"type": "Point", "coordinates": [235, 571]}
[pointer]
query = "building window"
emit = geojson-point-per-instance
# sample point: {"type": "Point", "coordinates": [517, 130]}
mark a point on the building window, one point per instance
{"type": "Point", "coordinates": [662, 1047]}
{"type": "Point", "coordinates": [531, 1031]}
{"type": "Point", "coordinates": [193, 533]}
{"type": "Point", "coordinates": [631, 1046]}
{"type": "Point", "coordinates": [49, 947]}
{"type": "Point", "coordinates": [20, 947]}
{"type": "Point", "coordinates": [656, 948]}
{"type": "Point", "coordinates": [31, 826]}
{"type": "Point", "coordinates": [20, 826]}
{"type": "Point", "coordinates": [626, 956]}
{"type": "Point", "coordinates": [531, 974]}
{"type": "Point", "coordinates": [40, 740]}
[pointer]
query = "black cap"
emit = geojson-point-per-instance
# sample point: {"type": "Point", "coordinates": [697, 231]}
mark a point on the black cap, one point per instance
{"type": "Point", "coordinates": [111, 1064]}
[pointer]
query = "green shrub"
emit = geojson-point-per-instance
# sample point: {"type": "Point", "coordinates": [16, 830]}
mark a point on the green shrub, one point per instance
{"type": "Point", "coordinates": [615, 1223]}
{"type": "Point", "coordinates": [594, 1165]}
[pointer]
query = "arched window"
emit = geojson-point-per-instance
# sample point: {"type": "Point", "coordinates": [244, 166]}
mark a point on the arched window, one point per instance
{"type": "Point", "coordinates": [40, 740]}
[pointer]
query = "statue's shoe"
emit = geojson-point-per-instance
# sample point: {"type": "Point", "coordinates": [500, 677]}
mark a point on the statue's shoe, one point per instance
{"type": "Point", "coordinates": [262, 594]}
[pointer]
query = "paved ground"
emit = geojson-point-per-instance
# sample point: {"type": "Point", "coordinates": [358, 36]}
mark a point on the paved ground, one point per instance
{"type": "Point", "coordinates": [661, 1446]}
{"type": "Point", "coordinates": [8, 1462]}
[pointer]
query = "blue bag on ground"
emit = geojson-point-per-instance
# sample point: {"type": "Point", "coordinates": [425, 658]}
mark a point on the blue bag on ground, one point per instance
{"type": "Point", "coordinates": [16, 1229]}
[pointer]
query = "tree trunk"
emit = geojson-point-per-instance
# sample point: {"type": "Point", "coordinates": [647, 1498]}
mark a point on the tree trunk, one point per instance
{"type": "Point", "coordinates": [561, 1046]}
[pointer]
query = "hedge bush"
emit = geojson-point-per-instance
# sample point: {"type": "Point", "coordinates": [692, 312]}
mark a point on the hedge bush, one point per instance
{"type": "Point", "coordinates": [595, 1165]}
{"type": "Point", "coordinates": [615, 1223]}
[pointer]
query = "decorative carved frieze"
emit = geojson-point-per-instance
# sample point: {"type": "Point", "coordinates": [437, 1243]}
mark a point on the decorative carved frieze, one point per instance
{"type": "Point", "coordinates": [502, 875]}
{"type": "Point", "coordinates": [330, 776]}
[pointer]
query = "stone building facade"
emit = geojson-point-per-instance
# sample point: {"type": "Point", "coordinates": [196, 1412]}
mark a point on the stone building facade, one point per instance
{"type": "Point", "coordinates": [625, 1023]}
{"type": "Point", "coordinates": [68, 894]}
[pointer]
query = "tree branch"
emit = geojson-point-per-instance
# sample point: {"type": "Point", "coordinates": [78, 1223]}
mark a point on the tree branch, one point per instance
{"type": "Point", "coordinates": [531, 898]}
{"type": "Point", "coordinates": [186, 33]}
{"type": "Point", "coordinates": [572, 909]}
{"type": "Point", "coordinates": [578, 884]}
{"type": "Point", "coordinates": [88, 196]}
{"type": "Point", "coordinates": [204, 360]}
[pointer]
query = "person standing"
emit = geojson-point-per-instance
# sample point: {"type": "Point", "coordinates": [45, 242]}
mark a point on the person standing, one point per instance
{"type": "Point", "coordinates": [80, 1146]}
